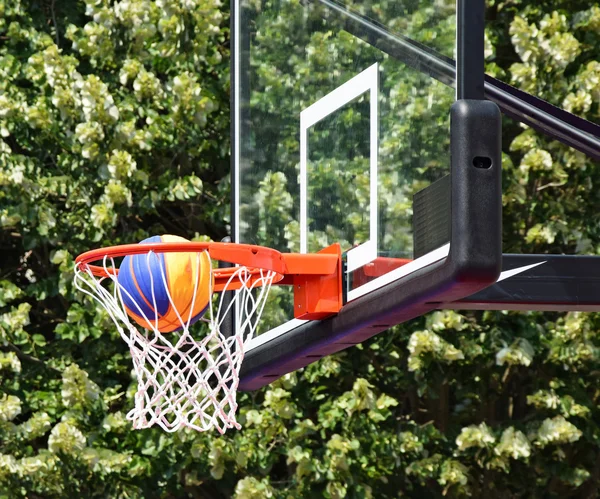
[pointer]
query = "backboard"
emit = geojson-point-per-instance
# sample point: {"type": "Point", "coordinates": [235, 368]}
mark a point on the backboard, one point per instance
{"type": "Point", "coordinates": [342, 133]}
{"type": "Point", "coordinates": [320, 111]}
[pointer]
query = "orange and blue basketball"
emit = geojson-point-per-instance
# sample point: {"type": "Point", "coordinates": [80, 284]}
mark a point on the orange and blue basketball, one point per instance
{"type": "Point", "coordinates": [187, 281]}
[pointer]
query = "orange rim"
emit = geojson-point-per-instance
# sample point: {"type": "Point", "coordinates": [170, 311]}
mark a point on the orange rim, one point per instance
{"type": "Point", "coordinates": [255, 259]}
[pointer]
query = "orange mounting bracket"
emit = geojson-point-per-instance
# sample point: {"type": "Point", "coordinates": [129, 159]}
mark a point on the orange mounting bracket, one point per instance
{"type": "Point", "coordinates": [318, 290]}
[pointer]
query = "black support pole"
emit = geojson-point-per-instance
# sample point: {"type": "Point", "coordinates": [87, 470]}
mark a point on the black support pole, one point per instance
{"type": "Point", "coordinates": [470, 35]}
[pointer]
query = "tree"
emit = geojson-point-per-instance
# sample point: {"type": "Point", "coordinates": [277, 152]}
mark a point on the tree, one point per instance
{"type": "Point", "coordinates": [114, 126]}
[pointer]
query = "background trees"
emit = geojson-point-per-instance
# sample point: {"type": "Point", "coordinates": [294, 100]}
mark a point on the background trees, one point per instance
{"type": "Point", "coordinates": [114, 126]}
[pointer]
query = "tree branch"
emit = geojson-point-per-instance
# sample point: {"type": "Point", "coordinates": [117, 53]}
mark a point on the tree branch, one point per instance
{"type": "Point", "coordinates": [26, 357]}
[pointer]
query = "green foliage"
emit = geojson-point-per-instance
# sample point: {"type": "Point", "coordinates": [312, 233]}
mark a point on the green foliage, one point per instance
{"type": "Point", "coordinates": [114, 126]}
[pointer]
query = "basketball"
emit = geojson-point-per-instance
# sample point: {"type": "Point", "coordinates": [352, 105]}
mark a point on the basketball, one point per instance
{"type": "Point", "coordinates": [153, 299]}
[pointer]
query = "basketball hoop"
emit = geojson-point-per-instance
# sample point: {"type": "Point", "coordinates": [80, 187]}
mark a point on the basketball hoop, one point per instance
{"type": "Point", "coordinates": [188, 378]}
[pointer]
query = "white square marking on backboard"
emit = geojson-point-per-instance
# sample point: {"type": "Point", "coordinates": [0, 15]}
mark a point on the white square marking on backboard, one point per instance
{"type": "Point", "coordinates": [367, 81]}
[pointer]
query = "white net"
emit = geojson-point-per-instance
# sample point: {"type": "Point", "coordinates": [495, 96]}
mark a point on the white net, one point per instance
{"type": "Point", "coordinates": [187, 378]}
